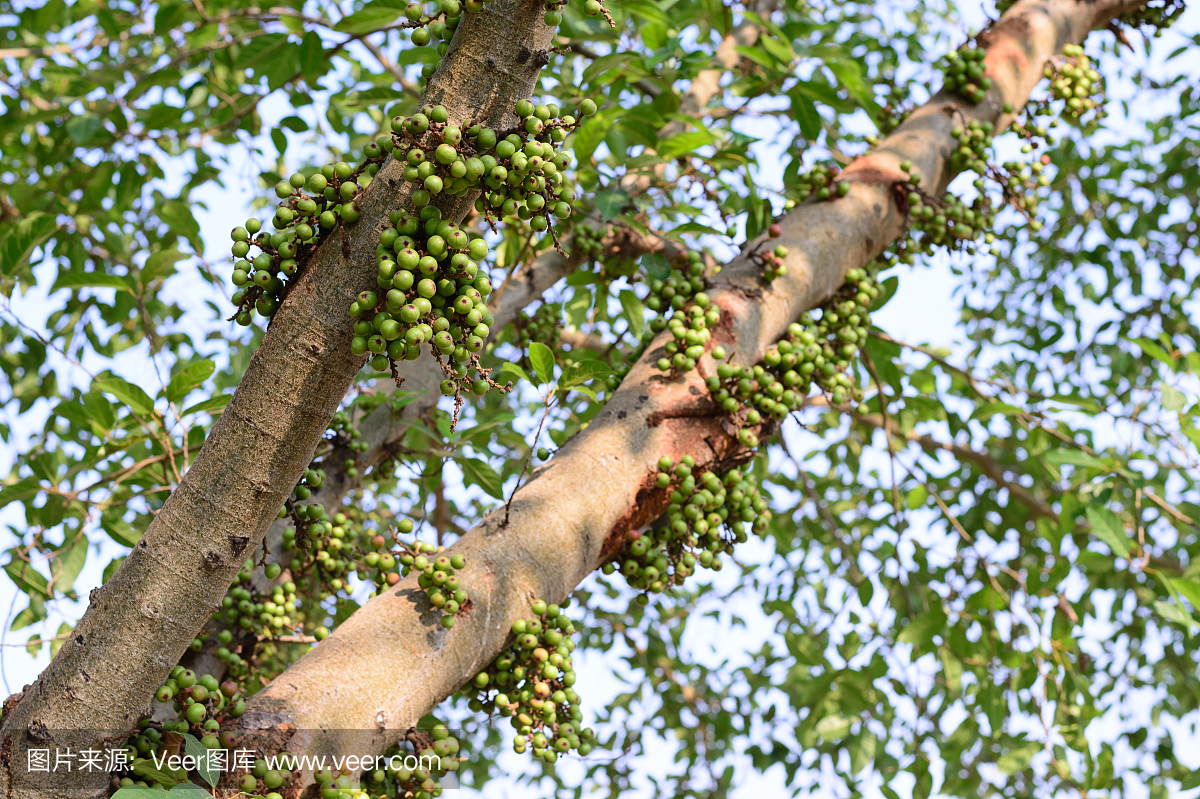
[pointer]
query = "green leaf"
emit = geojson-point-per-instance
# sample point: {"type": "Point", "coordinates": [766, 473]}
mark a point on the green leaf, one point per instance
{"type": "Point", "coordinates": [67, 564]}
{"type": "Point", "coordinates": [684, 143]}
{"type": "Point", "coordinates": [261, 50]}
{"type": "Point", "coordinates": [1156, 352]}
{"type": "Point", "coordinates": [188, 378]}
{"type": "Point", "coordinates": [312, 63]}
{"type": "Point", "coordinates": [144, 767]}
{"type": "Point", "coordinates": [471, 433]}
{"type": "Point", "coordinates": [1188, 589]}
{"type": "Point", "coordinates": [542, 358]}
{"type": "Point", "coordinates": [952, 669]}
{"type": "Point", "coordinates": [582, 372]}
{"type": "Point", "coordinates": [833, 728]}
{"type": "Point", "coordinates": [31, 615]}
{"type": "Point", "coordinates": [657, 267]}
{"type": "Point", "coordinates": [100, 413]}
{"type": "Point", "coordinates": [480, 473]}
{"type": "Point", "coordinates": [654, 35]}
{"type": "Point", "coordinates": [1175, 613]}
{"type": "Point", "coordinates": [282, 66]}
{"type": "Point", "coordinates": [634, 311]}
{"type": "Point", "coordinates": [111, 568]}
{"type": "Point", "coordinates": [588, 137]}
{"type": "Point", "coordinates": [1073, 457]}
{"type": "Point", "coordinates": [850, 77]}
{"type": "Point", "coordinates": [862, 751]}
{"type": "Point", "coordinates": [887, 289]}
{"type": "Point", "coordinates": [376, 96]}
{"type": "Point", "coordinates": [694, 227]}
{"type": "Point", "coordinates": [576, 309]}
{"type": "Point", "coordinates": [216, 403]}
{"type": "Point", "coordinates": [987, 411]}
{"type": "Point", "coordinates": [121, 531]}
{"type": "Point", "coordinates": [516, 370]}
{"type": "Point", "coordinates": [921, 630]}
{"type": "Point", "coordinates": [20, 491]}
{"type": "Point", "coordinates": [609, 203]}
{"type": "Point", "coordinates": [133, 396]}
{"type": "Point", "coordinates": [1109, 528]}
{"type": "Point", "coordinates": [806, 114]}
{"type": "Point", "coordinates": [916, 497]}
{"type": "Point", "coordinates": [161, 264]}
{"type": "Point", "coordinates": [1017, 758]}
{"type": "Point", "coordinates": [585, 390]}
{"type": "Point", "coordinates": [371, 17]}
{"type": "Point", "coordinates": [1173, 399]}
{"type": "Point", "coordinates": [82, 127]}
{"type": "Point", "coordinates": [179, 216]}
{"type": "Point", "coordinates": [26, 577]}
{"type": "Point", "coordinates": [200, 752]}
{"type": "Point", "coordinates": [17, 242]}
{"type": "Point", "coordinates": [190, 789]}
{"type": "Point", "coordinates": [81, 280]}
{"type": "Point", "coordinates": [138, 792]}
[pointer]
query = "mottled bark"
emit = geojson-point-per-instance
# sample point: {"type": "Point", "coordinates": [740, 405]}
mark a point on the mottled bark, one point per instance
{"type": "Point", "coordinates": [140, 622]}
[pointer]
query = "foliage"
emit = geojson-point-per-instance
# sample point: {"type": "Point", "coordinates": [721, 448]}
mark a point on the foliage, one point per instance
{"type": "Point", "coordinates": [979, 565]}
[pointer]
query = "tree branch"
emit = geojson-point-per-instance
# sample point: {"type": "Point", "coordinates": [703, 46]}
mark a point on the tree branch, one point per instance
{"type": "Point", "coordinates": [140, 622]}
{"type": "Point", "coordinates": [576, 511]}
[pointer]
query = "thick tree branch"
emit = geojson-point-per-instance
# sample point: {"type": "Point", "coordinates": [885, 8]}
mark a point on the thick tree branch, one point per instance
{"type": "Point", "coordinates": [577, 510]}
{"type": "Point", "coordinates": [139, 623]}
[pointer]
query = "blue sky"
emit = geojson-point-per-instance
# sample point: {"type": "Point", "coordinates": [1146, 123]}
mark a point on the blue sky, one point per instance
{"type": "Point", "coordinates": [924, 310]}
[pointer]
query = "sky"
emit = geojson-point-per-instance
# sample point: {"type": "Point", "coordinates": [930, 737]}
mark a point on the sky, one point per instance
{"type": "Point", "coordinates": [924, 310]}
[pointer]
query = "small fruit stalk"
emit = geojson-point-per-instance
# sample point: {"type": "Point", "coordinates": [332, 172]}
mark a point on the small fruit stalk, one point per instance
{"type": "Point", "coordinates": [1074, 81]}
{"type": "Point", "coordinates": [821, 182]}
{"type": "Point", "coordinates": [414, 769]}
{"type": "Point", "coordinates": [769, 258]}
{"type": "Point", "coordinates": [521, 171]}
{"type": "Point", "coordinates": [963, 73]}
{"type": "Point", "coordinates": [532, 680]}
{"type": "Point", "coordinates": [432, 290]}
{"type": "Point", "coordinates": [199, 705]}
{"type": "Point", "coordinates": [820, 348]}
{"type": "Point", "coordinates": [436, 574]}
{"type": "Point", "coordinates": [310, 207]}
{"type": "Point", "coordinates": [707, 515]}
{"type": "Point", "coordinates": [682, 307]}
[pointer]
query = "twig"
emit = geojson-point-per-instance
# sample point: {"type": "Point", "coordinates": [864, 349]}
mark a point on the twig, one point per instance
{"type": "Point", "coordinates": [529, 457]}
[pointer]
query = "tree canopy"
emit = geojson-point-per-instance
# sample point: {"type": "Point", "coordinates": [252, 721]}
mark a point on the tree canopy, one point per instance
{"type": "Point", "coordinates": [546, 412]}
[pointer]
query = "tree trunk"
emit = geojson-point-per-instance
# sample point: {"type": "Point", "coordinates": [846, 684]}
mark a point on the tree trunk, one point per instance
{"type": "Point", "coordinates": [577, 510]}
{"type": "Point", "coordinates": [140, 622]}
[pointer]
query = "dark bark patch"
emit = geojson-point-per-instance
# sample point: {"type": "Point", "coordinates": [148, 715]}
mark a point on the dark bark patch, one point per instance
{"type": "Point", "coordinates": [38, 731]}
{"type": "Point", "coordinates": [523, 55]}
{"type": "Point", "coordinates": [708, 410]}
{"type": "Point", "coordinates": [238, 544]}
{"type": "Point", "coordinates": [650, 502]}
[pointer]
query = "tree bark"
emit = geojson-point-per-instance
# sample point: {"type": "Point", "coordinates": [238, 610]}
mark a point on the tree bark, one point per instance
{"type": "Point", "coordinates": [577, 510]}
{"type": "Point", "coordinates": [140, 622]}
